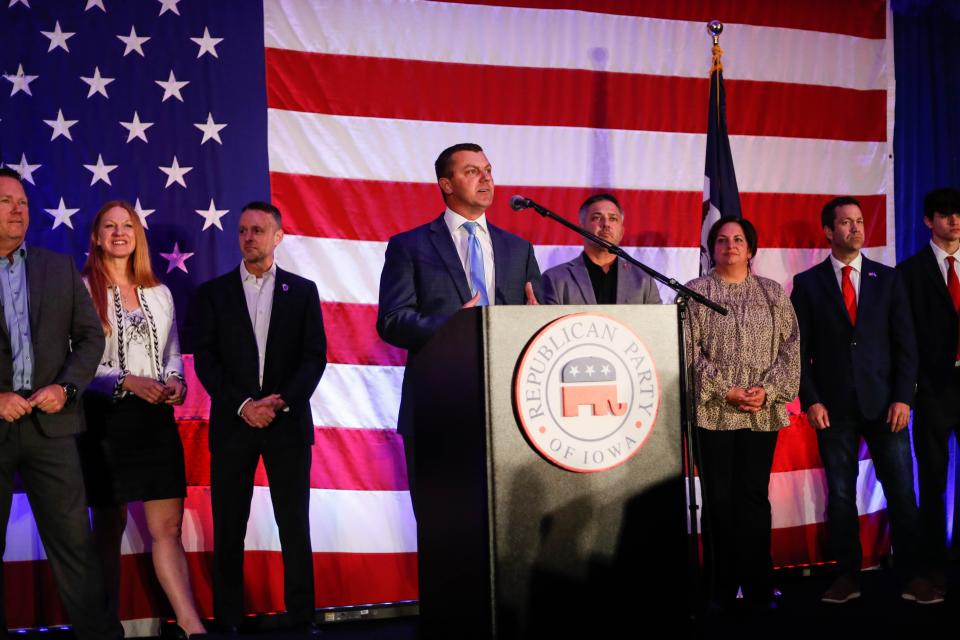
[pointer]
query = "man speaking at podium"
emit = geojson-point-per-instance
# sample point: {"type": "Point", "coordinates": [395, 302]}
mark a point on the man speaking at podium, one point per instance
{"type": "Point", "coordinates": [458, 260]}
{"type": "Point", "coordinates": [597, 276]}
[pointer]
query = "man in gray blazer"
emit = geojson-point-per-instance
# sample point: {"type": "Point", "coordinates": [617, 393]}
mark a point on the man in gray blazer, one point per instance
{"type": "Point", "coordinates": [596, 276]}
{"type": "Point", "coordinates": [50, 344]}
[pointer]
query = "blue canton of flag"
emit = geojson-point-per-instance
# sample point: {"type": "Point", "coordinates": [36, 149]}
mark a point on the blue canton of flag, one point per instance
{"type": "Point", "coordinates": [159, 102]}
{"type": "Point", "coordinates": [720, 194]}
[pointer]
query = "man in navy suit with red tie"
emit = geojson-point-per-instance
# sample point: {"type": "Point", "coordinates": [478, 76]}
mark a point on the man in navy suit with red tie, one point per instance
{"type": "Point", "coordinates": [931, 278]}
{"type": "Point", "coordinates": [858, 371]}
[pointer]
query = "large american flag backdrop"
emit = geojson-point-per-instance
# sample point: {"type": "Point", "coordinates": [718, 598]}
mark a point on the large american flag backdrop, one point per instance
{"type": "Point", "coordinates": [336, 110]}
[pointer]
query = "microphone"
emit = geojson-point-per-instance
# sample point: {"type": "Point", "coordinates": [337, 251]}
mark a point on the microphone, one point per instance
{"type": "Point", "coordinates": [519, 203]}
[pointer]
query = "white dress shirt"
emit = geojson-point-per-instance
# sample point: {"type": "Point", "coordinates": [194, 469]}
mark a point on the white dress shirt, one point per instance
{"type": "Point", "coordinates": [942, 256]}
{"type": "Point", "coordinates": [259, 295]}
{"type": "Point", "coordinates": [461, 238]}
{"type": "Point", "coordinates": [838, 266]}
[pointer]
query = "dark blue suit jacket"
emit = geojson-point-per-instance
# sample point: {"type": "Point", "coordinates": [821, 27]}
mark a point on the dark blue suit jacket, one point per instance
{"type": "Point", "coordinates": [935, 320]}
{"type": "Point", "coordinates": [225, 356]}
{"type": "Point", "coordinates": [855, 371]}
{"type": "Point", "coordinates": [423, 283]}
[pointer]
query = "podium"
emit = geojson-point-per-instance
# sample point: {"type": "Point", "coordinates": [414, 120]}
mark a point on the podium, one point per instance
{"type": "Point", "coordinates": [514, 541]}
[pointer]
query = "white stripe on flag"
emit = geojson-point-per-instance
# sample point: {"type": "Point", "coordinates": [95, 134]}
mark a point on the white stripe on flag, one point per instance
{"type": "Point", "coordinates": [344, 270]}
{"type": "Point", "coordinates": [800, 497]}
{"type": "Point", "coordinates": [435, 31]}
{"type": "Point", "coordinates": [365, 396]}
{"type": "Point", "coordinates": [370, 149]}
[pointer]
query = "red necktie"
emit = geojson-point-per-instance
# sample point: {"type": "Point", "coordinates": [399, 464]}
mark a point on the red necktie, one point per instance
{"type": "Point", "coordinates": [849, 295]}
{"type": "Point", "coordinates": [953, 287]}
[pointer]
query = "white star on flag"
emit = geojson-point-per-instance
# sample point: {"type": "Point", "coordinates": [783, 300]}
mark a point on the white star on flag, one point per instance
{"type": "Point", "coordinates": [133, 42]}
{"type": "Point", "coordinates": [61, 215]}
{"type": "Point", "coordinates": [58, 38]}
{"type": "Point", "coordinates": [171, 87]}
{"type": "Point", "coordinates": [176, 259]}
{"type": "Point", "coordinates": [60, 126]}
{"type": "Point", "coordinates": [175, 173]}
{"type": "Point", "coordinates": [142, 213]}
{"type": "Point", "coordinates": [169, 5]}
{"type": "Point", "coordinates": [207, 44]}
{"type": "Point", "coordinates": [590, 370]}
{"type": "Point", "coordinates": [100, 171]}
{"type": "Point", "coordinates": [211, 130]}
{"type": "Point", "coordinates": [95, 3]}
{"type": "Point", "coordinates": [574, 370]}
{"type": "Point", "coordinates": [24, 169]}
{"type": "Point", "coordinates": [136, 128]}
{"type": "Point", "coordinates": [211, 217]}
{"type": "Point", "coordinates": [98, 84]}
{"type": "Point", "coordinates": [13, 2]}
{"type": "Point", "coordinates": [21, 81]}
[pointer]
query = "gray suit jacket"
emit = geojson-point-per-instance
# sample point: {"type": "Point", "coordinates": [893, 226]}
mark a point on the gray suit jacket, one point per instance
{"type": "Point", "coordinates": [569, 283]}
{"type": "Point", "coordinates": [66, 334]}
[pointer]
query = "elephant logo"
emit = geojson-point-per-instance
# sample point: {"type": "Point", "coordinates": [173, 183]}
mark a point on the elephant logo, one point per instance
{"type": "Point", "coordinates": [587, 392]}
{"type": "Point", "coordinates": [590, 381]}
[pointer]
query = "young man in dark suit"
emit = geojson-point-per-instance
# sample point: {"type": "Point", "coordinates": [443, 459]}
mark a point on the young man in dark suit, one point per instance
{"type": "Point", "coordinates": [858, 370]}
{"type": "Point", "coordinates": [50, 344]}
{"type": "Point", "coordinates": [931, 278]}
{"type": "Point", "coordinates": [456, 261]}
{"type": "Point", "coordinates": [260, 352]}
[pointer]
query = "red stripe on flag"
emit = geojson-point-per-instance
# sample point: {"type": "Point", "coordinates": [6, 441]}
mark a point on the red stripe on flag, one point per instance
{"type": "Point", "coordinates": [352, 336]}
{"type": "Point", "coordinates": [862, 18]}
{"type": "Point", "coordinates": [347, 459]}
{"type": "Point", "coordinates": [340, 579]}
{"type": "Point", "coordinates": [420, 90]}
{"type": "Point", "coordinates": [808, 544]}
{"type": "Point", "coordinates": [324, 207]}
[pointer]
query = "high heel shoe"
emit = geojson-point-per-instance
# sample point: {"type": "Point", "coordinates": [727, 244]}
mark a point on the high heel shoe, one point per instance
{"type": "Point", "coordinates": [181, 634]}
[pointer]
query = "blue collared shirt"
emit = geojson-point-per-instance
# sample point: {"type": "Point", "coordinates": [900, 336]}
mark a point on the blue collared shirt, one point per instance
{"type": "Point", "coordinates": [14, 297]}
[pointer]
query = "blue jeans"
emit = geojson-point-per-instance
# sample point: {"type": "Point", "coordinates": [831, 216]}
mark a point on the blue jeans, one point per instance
{"type": "Point", "coordinates": [893, 463]}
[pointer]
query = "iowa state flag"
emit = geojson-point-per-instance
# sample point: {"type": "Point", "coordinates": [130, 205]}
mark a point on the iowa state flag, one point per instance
{"type": "Point", "coordinates": [720, 194]}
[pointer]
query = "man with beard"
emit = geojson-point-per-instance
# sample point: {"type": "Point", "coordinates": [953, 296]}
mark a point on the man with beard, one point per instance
{"type": "Point", "coordinates": [596, 276]}
{"type": "Point", "coordinates": [260, 352]}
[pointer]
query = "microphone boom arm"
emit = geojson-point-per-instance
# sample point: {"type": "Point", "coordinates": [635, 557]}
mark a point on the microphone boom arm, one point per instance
{"type": "Point", "coordinates": [616, 250]}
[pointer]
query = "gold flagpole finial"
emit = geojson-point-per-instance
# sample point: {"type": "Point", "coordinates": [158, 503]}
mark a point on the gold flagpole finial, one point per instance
{"type": "Point", "coordinates": [715, 28]}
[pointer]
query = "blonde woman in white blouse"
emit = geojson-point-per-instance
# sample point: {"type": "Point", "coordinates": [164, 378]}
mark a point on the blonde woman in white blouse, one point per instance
{"type": "Point", "coordinates": [133, 451]}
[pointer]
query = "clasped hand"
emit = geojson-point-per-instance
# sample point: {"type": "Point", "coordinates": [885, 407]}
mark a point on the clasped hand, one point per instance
{"type": "Point", "coordinates": [48, 399]}
{"type": "Point", "coordinates": [260, 413]}
{"type": "Point", "coordinates": [747, 400]}
{"type": "Point", "coordinates": [154, 392]}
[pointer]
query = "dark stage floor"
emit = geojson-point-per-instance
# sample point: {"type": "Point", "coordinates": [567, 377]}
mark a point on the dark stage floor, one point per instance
{"type": "Point", "coordinates": [879, 613]}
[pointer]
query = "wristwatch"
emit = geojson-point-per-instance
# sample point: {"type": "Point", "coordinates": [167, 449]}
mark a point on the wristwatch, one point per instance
{"type": "Point", "coordinates": [69, 390]}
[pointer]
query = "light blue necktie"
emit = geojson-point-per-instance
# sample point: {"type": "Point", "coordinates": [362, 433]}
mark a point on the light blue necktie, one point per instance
{"type": "Point", "coordinates": [478, 281]}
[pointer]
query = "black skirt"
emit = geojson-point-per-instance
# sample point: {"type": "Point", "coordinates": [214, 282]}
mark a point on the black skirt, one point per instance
{"type": "Point", "coordinates": [131, 451]}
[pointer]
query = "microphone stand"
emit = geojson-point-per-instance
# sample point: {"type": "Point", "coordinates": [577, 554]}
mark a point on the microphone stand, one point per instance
{"type": "Point", "coordinates": [688, 414]}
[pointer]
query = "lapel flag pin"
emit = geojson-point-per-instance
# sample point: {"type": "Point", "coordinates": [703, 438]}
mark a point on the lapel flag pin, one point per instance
{"type": "Point", "coordinates": [285, 287]}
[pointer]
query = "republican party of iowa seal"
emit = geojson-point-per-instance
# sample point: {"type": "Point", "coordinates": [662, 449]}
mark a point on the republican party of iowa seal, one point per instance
{"type": "Point", "coordinates": [586, 392]}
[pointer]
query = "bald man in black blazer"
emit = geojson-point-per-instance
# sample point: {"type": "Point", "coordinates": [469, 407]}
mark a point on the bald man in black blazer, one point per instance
{"type": "Point", "coordinates": [260, 352]}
